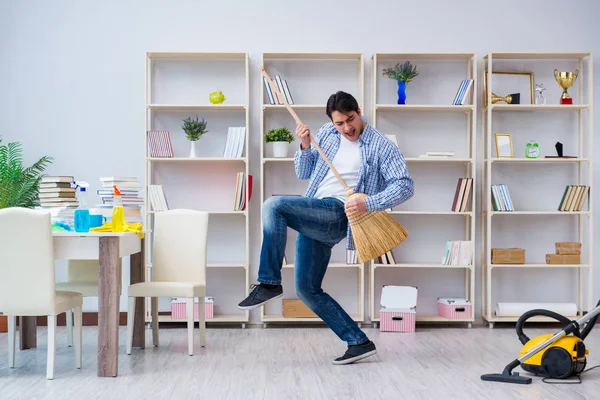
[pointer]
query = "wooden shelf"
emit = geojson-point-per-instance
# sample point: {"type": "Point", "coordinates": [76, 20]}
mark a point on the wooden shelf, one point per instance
{"type": "Point", "coordinates": [197, 159]}
{"type": "Point", "coordinates": [169, 95]}
{"type": "Point", "coordinates": [538, 265]}
{"type": "Point", "coordinates": [199, 107]}
{"type": "Point", "coordinates": [466, 213]}
{"type": "Point", "coordinates": [332, 265]}
{"type": "Point", "coordinates": [193, 55]}
{"type": "Point", "coordinates": [532, 319]}
{"type": "Point", "coordinates": [226, 212]}
{"type": "Point", "coordinates": [307, 107]}
{"type": "Point", "coordinates": [217, 318]}
{"type": "Point", "coordinates": [539, 212]}
{"type": "Point", "coordinates": [422, 265]}
{"type": "Point", "coordinates": [425, 56]}
{"type": "Point", "coordinates": [455, 67]}
{"type": "Point", "coordinates": [438, 160]}
{"type": "Point", "coordinates": [536, 56]}
{"type": "Point", "coordinates": [424, 108]}
{"type": "Point", "coordinates": [539, 107]}
{"type": "Point", "coordinates": [537, 160]}
{"type": "Point", "coordinates": [276, 174]}
{"type": "Point", "coordinates": [312, 56]}
{"type": "Point", "coordinates": [574, 129]}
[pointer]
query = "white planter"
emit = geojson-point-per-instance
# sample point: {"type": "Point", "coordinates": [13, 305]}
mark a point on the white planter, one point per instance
{"type": "Point", "coordinates": [192, 149]}
{"type": "Point", "coordinates": [280, 149]}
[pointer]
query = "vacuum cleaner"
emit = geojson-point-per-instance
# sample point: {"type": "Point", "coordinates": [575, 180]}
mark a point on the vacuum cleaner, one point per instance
{"type": "Point", "coordinates": [557, 356]}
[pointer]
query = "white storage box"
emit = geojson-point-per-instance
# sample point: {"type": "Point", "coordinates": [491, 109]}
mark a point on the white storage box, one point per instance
{"type": "Point", "coordinates": [454, 308]}
{"type": "Point", "coordinates": [398, 311]}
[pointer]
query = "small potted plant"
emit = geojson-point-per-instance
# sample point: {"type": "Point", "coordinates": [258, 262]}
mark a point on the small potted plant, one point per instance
{"type": "Point", "coordinates": [280, 137]}
{"type": "Point", "coordinates": [194, 129]}
{"type": "Point", "coordinates": [403, 73]}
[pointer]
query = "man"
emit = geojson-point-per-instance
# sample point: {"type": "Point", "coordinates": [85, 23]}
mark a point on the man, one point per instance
{"type": "Point", "coordinates": [369, 163]}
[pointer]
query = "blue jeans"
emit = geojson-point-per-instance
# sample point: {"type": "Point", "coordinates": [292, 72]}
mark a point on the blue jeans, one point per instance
{"type": "Point", "coordinates": [321, 224]}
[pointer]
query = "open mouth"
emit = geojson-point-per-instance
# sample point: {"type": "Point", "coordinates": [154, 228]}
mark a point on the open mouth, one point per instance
{"type": "Point", "coordinates": [351, 133]}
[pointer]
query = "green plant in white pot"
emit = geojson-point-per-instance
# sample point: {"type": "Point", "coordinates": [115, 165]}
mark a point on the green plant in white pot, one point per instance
{"type": "Point", "coordinates": [194, 129]}
{"type": "Point", "coordinates": [280, 137]}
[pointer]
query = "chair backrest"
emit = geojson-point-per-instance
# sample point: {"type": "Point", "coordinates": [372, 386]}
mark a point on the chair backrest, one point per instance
{"type": "Point", "coordinates": [83, 271]}
{"type": "Point", "coordinates": [26, 262]}
{"type": "Point", "coordinates": [180, 246]}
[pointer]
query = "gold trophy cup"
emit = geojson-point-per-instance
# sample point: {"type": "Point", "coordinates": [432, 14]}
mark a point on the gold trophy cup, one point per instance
{"type": "Point", "coordinates": [565, 80]}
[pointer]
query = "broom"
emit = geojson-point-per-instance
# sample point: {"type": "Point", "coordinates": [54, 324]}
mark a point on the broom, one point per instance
{"type": "Point", "coordinates": [376, 232]}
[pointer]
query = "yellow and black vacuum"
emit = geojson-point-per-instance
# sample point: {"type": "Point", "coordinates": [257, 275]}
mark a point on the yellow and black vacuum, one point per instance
{"type": "Point", "coordinates": [558, 356]}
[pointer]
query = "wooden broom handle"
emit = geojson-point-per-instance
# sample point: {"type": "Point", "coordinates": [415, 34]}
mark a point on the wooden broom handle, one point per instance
{"type": "Point", "coordinates": [299, 122]}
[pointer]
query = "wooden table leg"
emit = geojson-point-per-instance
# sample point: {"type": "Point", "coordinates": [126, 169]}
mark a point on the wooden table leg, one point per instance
{"type": "Point", "coordinates": [27, 333]}
{"type": "Point", "coordinates": [137, 274]}
{"type": "Point", "coordinates": [108, 307]}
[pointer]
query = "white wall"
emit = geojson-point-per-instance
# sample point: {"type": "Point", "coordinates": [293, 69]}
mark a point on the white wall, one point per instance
{"type": "Point", "coordinates": [72, 73]}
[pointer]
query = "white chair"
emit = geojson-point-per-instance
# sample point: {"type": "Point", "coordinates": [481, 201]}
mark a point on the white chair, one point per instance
{"type": "Point", "coordinates": [82, 277]}
{"type": "Point", "coordinates": [178, 270]}
{"type": "Point", "coordinates": [27, 286]}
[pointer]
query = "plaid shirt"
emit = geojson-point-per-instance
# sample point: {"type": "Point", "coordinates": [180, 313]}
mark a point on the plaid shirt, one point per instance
{"type": "Point", "coordinates": [383, 173]}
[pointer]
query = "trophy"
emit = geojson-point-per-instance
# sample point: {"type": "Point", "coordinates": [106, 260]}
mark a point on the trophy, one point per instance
{"type": "Point", "coordinates": [514, 98]}
{"type": "Point", "coordinates": [565, 80]}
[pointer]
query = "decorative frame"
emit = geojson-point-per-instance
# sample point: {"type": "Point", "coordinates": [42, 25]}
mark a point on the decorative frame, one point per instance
{"type": "Point", "coordinates": [530, 91]}
{"type": "Point", "coordinates": [498, 137]}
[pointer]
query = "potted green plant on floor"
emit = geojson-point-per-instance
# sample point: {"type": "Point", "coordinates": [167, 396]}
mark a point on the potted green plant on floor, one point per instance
{"type": "Point", "coordinates": [280, 137]}
{"type": "Point", "coordinates": [403, 74]}
{"type": "Point", "coordinates": [194, 129]}
{"type": "Point", "coordinates": [19, 185]}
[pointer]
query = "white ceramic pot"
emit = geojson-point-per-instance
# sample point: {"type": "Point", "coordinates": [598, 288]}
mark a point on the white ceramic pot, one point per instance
{"type": "Point", "coordinates": [192, 149]}
{"type": "Point", "coordinates": [280, 149]}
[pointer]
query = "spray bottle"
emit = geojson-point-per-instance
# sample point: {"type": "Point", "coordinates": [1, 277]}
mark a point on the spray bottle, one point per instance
{"type": "Point", "coordinates": [118, 216]}
{"type": "Point", "coordinates": [82, 213]}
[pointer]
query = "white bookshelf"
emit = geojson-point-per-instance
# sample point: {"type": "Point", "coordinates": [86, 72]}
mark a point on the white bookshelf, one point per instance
{"type": "Point", "coordinates": [429, 122]}
{"type": "Point", "coordinates": [536, 185]}
{"type": "Point", "coordinates": [177, 86]}
{"type": "Point", "coordinates": [312, 78]}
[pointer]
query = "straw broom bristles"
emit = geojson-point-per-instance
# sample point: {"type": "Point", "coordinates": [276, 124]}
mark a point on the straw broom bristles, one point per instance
{"type": "Point", "coordinates": [374, 233]}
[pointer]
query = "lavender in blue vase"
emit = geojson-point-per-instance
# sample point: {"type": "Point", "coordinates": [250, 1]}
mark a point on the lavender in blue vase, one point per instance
{"type": "Point", "coordinates": [403, 74]}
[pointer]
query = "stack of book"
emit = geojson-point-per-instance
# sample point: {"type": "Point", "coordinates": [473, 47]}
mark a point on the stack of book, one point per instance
{"type": "Point", "coordinates": [130, 197]}
{"type": "Point", "coordinates": [129, 188]}
{"type": "Point", "coordinates": [458, 252]}
{"type": "Point", "coordinates": [57, 191]}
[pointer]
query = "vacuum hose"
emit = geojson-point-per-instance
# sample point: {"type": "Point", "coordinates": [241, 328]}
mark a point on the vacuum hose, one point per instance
{"type": "Point", "coordinates": [523, 338]}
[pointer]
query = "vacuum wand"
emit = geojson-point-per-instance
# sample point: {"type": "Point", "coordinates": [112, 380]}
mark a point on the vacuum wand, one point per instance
{"type": "Point", "coordinates": [513, 377]}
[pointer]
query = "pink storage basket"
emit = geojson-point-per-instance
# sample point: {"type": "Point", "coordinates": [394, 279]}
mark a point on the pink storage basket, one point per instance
{"type": "Point", "coordinates": [178, 309]}
{"type": "Point", "coordinates": [398, 309]}
{"type": "Point", "coordinates": [398, 321]}
{"type": "Point", "coordinates": [454, 308]}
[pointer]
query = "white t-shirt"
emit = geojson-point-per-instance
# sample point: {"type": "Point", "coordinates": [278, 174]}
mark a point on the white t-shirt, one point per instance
{"type": "Point", "coordinates": [347, 163]}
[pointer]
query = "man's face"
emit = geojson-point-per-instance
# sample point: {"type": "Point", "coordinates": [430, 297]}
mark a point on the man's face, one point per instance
{"type": "Point", "coordinates": [350, 125]}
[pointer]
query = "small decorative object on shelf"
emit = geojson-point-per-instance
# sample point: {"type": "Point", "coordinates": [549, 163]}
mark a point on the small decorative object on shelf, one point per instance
{"type": "Point", "coordinates": [559, 152]}
{"type": "Point", "coordinates": [280, 137]}
{"type": "Point", "coordinates": [539, 97]}
{"type": "Point", "coordinates": [504, 145]}
{"type": "Point", "coordinates": [532, 149]}
{"type": "Point", "coordinates": [403, 73]}
{"type": "Point", "coordinates": [194, 129]}
{"type": "Point", "coordinates": [217, 97]}
{"type": "Point", "coordinates": [566, 80]}
{"type": "Point", "coordinates": [514, 98]}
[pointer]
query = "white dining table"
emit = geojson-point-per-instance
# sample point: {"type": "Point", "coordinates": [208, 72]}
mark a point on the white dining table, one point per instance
{"type": "Point", "coordinates": [108, 248]}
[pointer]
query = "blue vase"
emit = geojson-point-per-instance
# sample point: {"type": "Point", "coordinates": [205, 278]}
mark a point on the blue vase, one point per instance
{"type": "Point", "coordinates": [401, 92]}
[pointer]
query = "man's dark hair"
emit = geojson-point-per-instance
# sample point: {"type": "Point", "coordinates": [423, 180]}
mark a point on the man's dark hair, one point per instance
{"type": "Point", "coordinates": [341, 102]}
